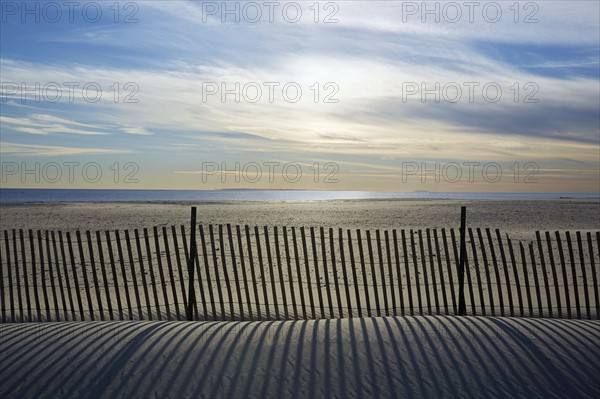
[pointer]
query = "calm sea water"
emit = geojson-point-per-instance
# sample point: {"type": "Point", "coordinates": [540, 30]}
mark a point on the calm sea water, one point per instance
{"type": "Point", "coordinates": [67, 195]}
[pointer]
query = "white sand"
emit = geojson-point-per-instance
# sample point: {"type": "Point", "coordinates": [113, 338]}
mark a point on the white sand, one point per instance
{"type": "Point", "coordinates": [519, 218]}
{"type": "Point", "coordinates": [372, 357]}
{"type": "Point", "coordinates": [376, 357]}
{"type": "Point", "coordinates": [551, 215]}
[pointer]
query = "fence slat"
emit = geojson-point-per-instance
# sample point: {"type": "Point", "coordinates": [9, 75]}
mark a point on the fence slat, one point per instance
{"type": "Point", "coordinates": [180, 266]}
{"type": "Point", "coordinates": [477, 272]}
{"type": "Point", "coordinates": [152, 275]}
{"type": "Point", "coordinates": [545, 272]}
{"type": "Point", "coordinates": [34, 285]}
{"type": "Point", "coordinates": [84, 273]}
{"type": "Point", "coordinates": [18, 277]}
{"type": "Point", "coordinates": [336, 279]}
{"type": "Point", "coordinates": [172, 275]}
{"type": "Point", "coordinates": [407, 268]}
{"type": "Point", "coordinates": [297, 260]}
{"type": "Point", "coordinates": [51, 272]}
{"type": "Point", "coordinates": [124, 275]}
{"type": "Point", "coordinates": [584, 276]}
{"type": "Point", "coordinates": [449, 267]}
{"type": "Point", "coordinates": [289, 272]}
{"type": "Point", "coordinates": [192, 266]}
{"type": "Point", "coordinates": [594, 272]}
{"type": "Point", "coordinates": [364, 272]}
{"type": "Point", "coordinates": [554, 274]}
{"type": "Point", "coordinates": [574, 275]}
{"type": "Point", "coordinates": [354, 274]}
{"type": "Point", "coordinates": [469, 280]}
{"type": "Point", "coordinates": [177, 269]}
{"type": "Point", "coordinates": [390, 273]}
{"type": "Point", "coordinates": [263, 274]}
{"type": "Point", "coordinates": [280, 269]}
{"type": "Point", "coordinates": [271, 272]}
{"type": "Point", "coordinates": [307, 268]}
{"type": "Point", "coordinates": [11, 296]}
{"type": "Point", "coordinates": [373, 277]}
{"type": "Point", "coordinates": [536, 280]}
{"type": "Point", "coordinates": [432, 266]}
{"type": "Point", "coordinates": [143, 273]}
{"type": "Point", "coordinates": [198, 273]}
{"type": "Point", "coordinates": [424, 272]}
{"type": "Point", "coordinates": [344, 271]}
{"type": "Point", "coordinates": [2, 284]}
{"type": "Point", "coordinates": [211, 295]}
{"type": "Point", "coordinates": [59, 276]}
{"type": "Point", "coordinates": [75, 277]}
{"type": "Point", "coordinates": [440, 271]}
{"type": "Point", "coordinates": [317, 273]}
{"type": "Point", "coordinates": [191, 298]}
{"type": "Point", "coordinates": [104, 276]}
{"type": "Point", "coordinates": [161, 273]}
{"type": "Point", "coordinates": [66, 274]}
{"type": "Point", "coordinates": [456, 254]}
{"type": "Point", "coordinates": [487, 272]}
{"type": "Point", "coordinates": [25, 276]}
{"type": "Point", "coordinates": [226, 273]}
{"type": "Point", "coordinates": [466, 269]}
{"type": "Point", "coordinates": [496, 271]}
{"type": "Point", "coordinates": [516, 275]}
{"type": "Point", "coordinates": [213, 250]}
{"type": "Point", "coordinates": [382, 274]}
{"type": "Point", "coordinates": [506, 273]}
{"type": "Point", "coordinates": [34, 274]}
{"type": "Point", "coordinates": [253, 271]}
{"type": "Point", "coordinates": [43, 276]}
{"type": "Point", "coordinates": [526, 277]}
{"type": "Point", "coordinates": [244, 272]}
{"type": "Point", "coordinates": [95, 274]}
{"type": "Point", "coordinates": [58, 273]}
{"type": "Point", "coordinates": [564, 273]}
{"type": "Point", "coordinates": [416, 267]}
{"type": "Point", "coordinates": [326, 273]}
{"type": "Point", "coordinates": [236, 276]}
{"type": "Point", "coordinates": [113, 268]}
{"type": "Point", "coordinates": [134, 275]}
{"type": "Point", "coordinates": [399, 271]}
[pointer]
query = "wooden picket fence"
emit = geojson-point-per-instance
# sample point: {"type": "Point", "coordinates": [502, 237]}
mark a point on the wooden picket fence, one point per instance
{"type": "Point", "coordinates": [278, 273]}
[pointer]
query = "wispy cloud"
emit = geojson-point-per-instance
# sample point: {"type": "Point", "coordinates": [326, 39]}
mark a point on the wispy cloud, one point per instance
{"type": "Point", "coordinates": [138, 130]}
{"type": "Point", "coordinates": [369, 56]}
{"type": "Point", "coordinates": [48, 124]}
{"type": "Point", "coordinates": [53, 151]}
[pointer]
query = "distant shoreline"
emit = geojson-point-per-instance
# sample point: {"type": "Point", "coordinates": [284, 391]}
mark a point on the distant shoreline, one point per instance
{"type": "Point", "coordinates": [520, 218]}
{"type": "Point", "coordinates": [36, 196]}
{"type": "Point", "coordinates": [293, 201]}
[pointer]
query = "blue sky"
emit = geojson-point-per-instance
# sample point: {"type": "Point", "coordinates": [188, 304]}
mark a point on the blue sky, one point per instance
{"type": "Point", "coordinates": [367, 58]}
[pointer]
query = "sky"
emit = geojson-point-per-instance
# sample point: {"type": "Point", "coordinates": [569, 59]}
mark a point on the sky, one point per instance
{"type": "Point", "coordinates": [346, 95]}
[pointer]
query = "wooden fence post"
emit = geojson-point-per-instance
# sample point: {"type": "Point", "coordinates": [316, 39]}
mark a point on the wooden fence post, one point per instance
{"type": "Point", "coordinates": [191, 295]}
{"type": "Point", "coordinates": [462, 308]}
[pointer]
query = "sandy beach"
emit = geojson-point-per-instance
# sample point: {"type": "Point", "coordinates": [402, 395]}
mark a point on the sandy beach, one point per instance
{"type": "Point", "coordinates": [441, 355]}
{"type": "Point", "coordinates": [337, 199]}
{"type": "Point", "coordinates": [518, 218]}
{"type": "Point", "coordinates": [370, 357]}
{"type": "Point", "coordinates": [226, 268]}
{"type": "Point", "coordinates": [325, 356]}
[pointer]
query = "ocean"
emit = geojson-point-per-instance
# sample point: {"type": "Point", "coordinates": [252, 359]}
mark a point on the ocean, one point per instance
{"type": "Point", "coordinates": [10, 195]}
